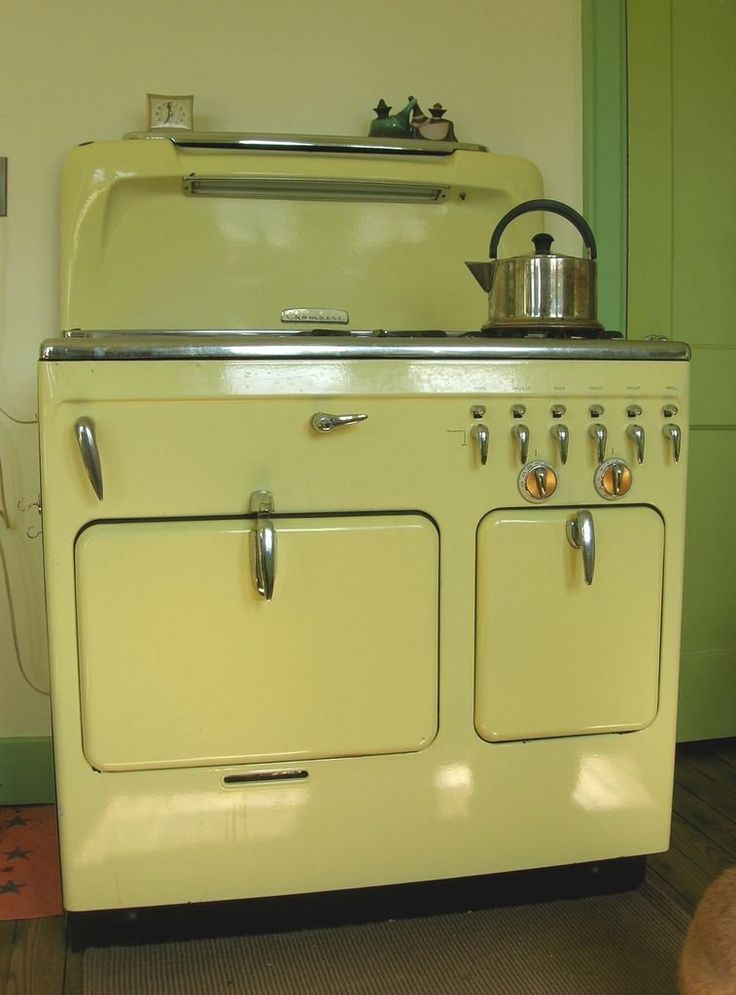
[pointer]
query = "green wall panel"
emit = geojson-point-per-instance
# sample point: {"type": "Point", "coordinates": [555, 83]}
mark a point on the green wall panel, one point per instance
{"type": "Point", "coordinates": [682, 210]}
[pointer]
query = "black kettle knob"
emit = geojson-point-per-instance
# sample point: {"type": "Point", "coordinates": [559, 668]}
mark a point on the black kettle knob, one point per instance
{"type": "Point", "coordinates": [542, 243]}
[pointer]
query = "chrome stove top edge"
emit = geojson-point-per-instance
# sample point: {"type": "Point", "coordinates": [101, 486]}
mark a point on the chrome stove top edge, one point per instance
{"type": "Point", "coordinates": [109, 346]}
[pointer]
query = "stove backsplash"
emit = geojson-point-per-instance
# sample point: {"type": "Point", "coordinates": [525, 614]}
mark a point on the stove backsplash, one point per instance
{"type": "Point", "coordinates": [259, 241]}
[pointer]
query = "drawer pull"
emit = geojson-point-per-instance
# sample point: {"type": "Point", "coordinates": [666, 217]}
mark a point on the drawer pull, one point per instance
{"type": "Point", "coordinates": [263, 544]}
{"type": "Point", "coordinates": [85, 432]}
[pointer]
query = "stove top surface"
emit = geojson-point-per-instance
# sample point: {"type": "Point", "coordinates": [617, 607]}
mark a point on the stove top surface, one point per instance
{"type": "Point", "coordinates": [530, 332]}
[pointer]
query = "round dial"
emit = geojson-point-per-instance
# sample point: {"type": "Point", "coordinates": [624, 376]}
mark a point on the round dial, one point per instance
{"type": "Point", "coordinates": [537, 481]}
{"type": "Point", "coordinates": [613, 479]}
{"type": "Point", "coordinates": [169, 111]}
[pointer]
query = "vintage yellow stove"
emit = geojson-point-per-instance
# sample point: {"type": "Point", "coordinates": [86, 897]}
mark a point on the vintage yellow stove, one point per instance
{"type": "Point", "coordinates": [334, 601]}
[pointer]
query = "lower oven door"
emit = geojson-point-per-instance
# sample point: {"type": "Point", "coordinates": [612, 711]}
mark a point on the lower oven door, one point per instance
{"type": "Point", "coordinates": [555, 655]}
{"type": "Point", "coordinates": [183, 662]}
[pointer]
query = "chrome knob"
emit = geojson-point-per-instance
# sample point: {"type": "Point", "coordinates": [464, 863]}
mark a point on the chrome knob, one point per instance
{"type": "Point", "coordinates": [636, 433]}
{"type": "Point", "coordinates": [323, 422]}
{"type": "Point", "coordinates": [613, 479]}
{"type": "Point", "coordinates": [537, 481]}
{"type": "Point", "coordinates": [562, 434]}
{"type": "Point", "coordinates": [600, 434]}
{"type": "Point", "coordinates": [674, 434]}
{"type": "Point", "coordinates": [521, 434]}
{"type": "Point", "coordinates": [480, 435]}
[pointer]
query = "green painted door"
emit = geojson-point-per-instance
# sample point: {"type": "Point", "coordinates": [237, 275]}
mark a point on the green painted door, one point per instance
{"type": "Point", "coordinates": [681, 283]}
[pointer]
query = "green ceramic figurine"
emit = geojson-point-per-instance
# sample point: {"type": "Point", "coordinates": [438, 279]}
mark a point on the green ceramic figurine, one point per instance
{"type": "Point", "coordinates": [387, 125]}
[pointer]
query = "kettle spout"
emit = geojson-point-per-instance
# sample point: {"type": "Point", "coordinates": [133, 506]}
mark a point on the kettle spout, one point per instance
{"type": "Point", "coordinates": [483, 273]}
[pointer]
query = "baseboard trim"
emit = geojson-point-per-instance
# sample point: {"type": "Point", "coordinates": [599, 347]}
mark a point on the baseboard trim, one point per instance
{"type": "Point", "coordinates": [26, 771]}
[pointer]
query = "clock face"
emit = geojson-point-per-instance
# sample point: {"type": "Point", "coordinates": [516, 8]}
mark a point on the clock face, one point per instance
{"type": "Point", "coordinates": [169, 111]}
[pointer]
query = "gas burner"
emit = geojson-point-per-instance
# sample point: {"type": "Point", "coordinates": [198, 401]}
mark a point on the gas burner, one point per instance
{"type": "Point", "coordinates": [544, 333]}
{"type": "Point", "coordinates": [377, 333]}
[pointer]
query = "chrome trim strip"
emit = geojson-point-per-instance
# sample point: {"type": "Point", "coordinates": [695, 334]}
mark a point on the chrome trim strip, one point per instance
{"type": "Point", "coordinates": [110, 346]}
{"type": "Point", "coordinates": [312, 188]}
{"type": "Point", "coordinates": [349, 144]}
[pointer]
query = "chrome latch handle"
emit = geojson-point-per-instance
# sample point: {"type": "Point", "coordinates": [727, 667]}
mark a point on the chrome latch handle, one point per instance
{"type": "Point", "coordinates": [480, 435]}
{"type": "Point", "coordinates": [263, 544]}
{"type": "Point", "coordinates": [581, 535]}
{"type": "Point", "coordinates": [636, 433]}
{"type": "Point", "coordinates": [84, 429]}
{"type": "Point", "coordinates": [674, 434]}
{"type": "Point", "coordinates": [562, 434]}
{"type": "Point", "coordinates": [600, 434]}
{"type": "Point", "coordinates": [521, 434]}
{"type": "Point", "coordinates": [324, 422]}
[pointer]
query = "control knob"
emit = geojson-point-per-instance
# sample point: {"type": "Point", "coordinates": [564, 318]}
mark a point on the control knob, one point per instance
{"type": "Point", "coordinates": [613, 479]}
{"type": "Point", "coordinates": [537, 481]}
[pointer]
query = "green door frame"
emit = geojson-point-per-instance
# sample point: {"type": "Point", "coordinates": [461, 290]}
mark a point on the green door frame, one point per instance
{"type": "Point", "coordinates": [605, 150]}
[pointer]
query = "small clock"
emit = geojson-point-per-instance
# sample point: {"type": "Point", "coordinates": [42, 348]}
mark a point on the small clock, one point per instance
{"type": "Point", "coordinates": [169, 111]}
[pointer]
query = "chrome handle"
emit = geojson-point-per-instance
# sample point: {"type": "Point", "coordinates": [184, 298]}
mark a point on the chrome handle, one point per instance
{"type": "Point", "coordinates": [87, 440]}
{"type": "Point", "coordinates": [481, 435]}
{"type": "Point", "coordinates": [600, 434]}
{"type": "Point", "coordinates": [263, 544]}
{"type": "Point", "coordinates": [674, 434]}
{"type": "Point", "coordinates": [562, 434]}
{"type": "Point", "coordinates": [636, 432]}
{"type": "Point", "coordinates": [521, 434]}
{"type": "Point", "coordinates": [323, 422]}
{"type": "Point", "coordinates": [581, 535]}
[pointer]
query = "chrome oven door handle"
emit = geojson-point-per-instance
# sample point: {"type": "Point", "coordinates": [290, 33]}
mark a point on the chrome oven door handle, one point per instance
{"type": "Point", "coordinates": [263, 544]}
{"type": "Point", "coordinates": [581, 535]}
{"type": "Point", "coordinates": [84, 429]}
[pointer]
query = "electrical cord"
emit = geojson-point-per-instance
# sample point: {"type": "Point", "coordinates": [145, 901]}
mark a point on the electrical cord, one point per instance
{"type": "Point", "coordinates": [14, 627]}
{"type": "Point", "coordinates": [5, 518]}
{"type": "Point", "coordinates": [18, 421]}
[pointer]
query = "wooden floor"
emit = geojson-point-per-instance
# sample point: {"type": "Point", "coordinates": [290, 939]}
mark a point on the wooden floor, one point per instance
{"type": "Point", "coordinates": [33, 953]}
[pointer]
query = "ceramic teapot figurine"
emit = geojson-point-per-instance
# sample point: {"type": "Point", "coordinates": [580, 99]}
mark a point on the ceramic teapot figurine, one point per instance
{"type": "Point", "coordinates": [436, 128]}
{"type": "Point", "coordinates": [386, 125]}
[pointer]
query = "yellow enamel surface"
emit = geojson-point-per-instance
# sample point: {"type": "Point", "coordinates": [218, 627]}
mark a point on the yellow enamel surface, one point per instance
{"type": "Point", "coordinates": [566, 670]}
{"type": "Point", "coordinates": [183, 664]}
{"type": "Point", "coordinates": [195, 439]}
{"type": "Point", "coordinates": [138, 253]}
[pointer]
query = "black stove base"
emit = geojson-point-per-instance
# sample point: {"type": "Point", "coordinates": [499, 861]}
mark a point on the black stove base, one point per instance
{"type": "Point", "coordinates": [164, 924]}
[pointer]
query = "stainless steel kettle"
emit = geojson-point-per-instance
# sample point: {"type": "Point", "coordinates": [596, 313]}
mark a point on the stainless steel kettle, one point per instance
{"type": "Point", "coordinates": [542, 290]}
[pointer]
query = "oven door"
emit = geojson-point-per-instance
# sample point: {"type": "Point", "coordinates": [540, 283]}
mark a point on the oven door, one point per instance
{"type": "Point", "coordinates": [556, 656]}
{"type": "Point", "coordinates": [183, 663]}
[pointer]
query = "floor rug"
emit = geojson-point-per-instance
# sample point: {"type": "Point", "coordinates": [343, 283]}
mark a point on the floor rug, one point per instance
{"type": "Point", "coordinates": [606, 945]}
{"type": "Point", "coordinates": [30, 886]}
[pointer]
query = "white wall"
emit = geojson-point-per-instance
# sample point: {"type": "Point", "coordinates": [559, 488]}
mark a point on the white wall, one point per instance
{"type": "Point", "coordinates": [76, 70]}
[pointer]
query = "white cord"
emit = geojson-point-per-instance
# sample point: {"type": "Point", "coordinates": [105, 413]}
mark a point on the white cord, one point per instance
{"type": "Point", "coordinates": [14, 627]}
{"type": "Point", "coordinates": [18, 421]}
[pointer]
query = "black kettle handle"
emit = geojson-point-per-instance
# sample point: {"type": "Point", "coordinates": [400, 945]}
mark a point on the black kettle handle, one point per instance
{"type": "Point", "coordinates": [555, 207]}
